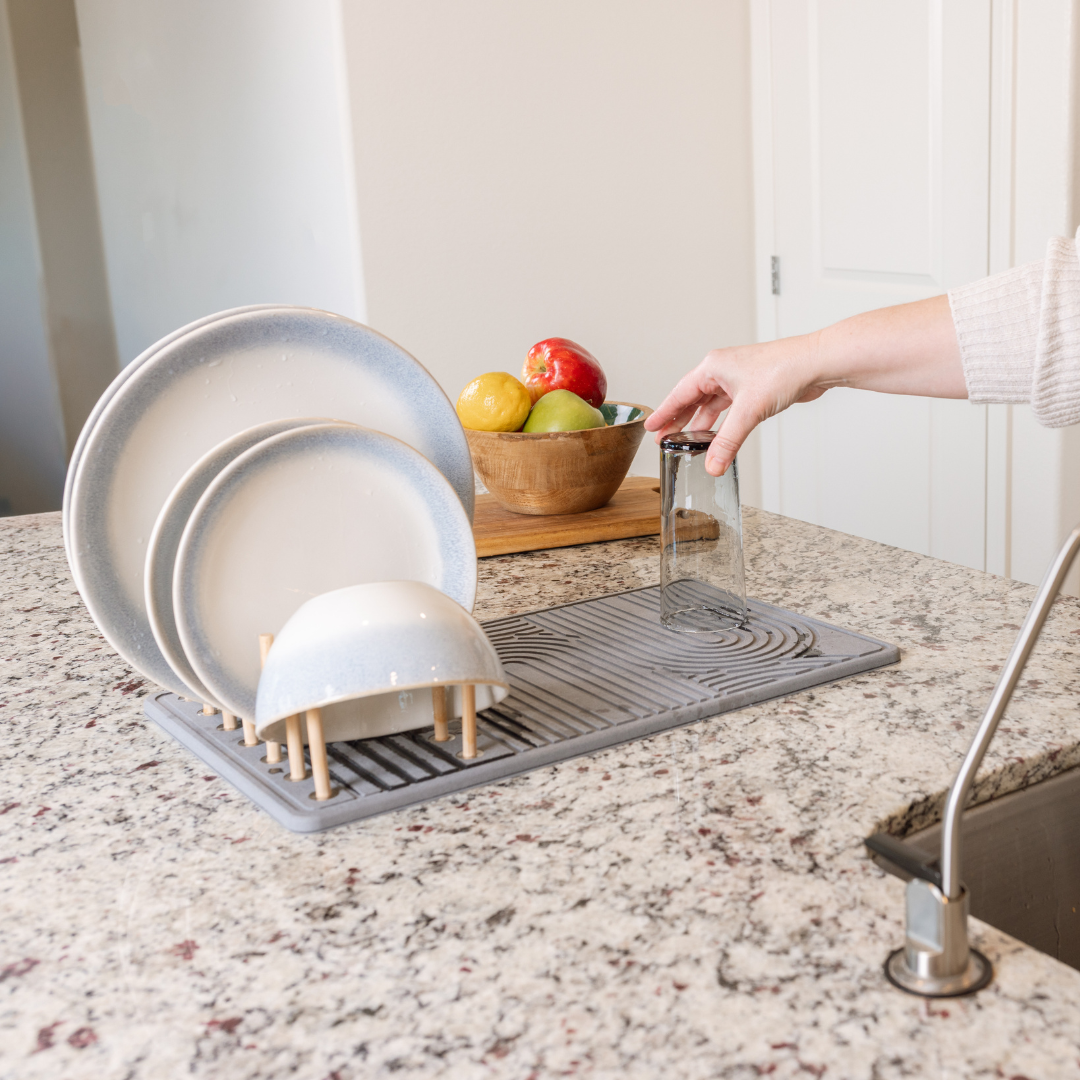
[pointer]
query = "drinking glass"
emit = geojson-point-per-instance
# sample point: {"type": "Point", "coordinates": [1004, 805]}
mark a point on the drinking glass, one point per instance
{"type": "Point", "coordinates": [702, 588]}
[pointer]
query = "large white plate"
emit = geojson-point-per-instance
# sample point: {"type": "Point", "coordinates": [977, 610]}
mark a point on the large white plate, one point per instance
{"type": "Point", "coordinates": [206, 386]}
{"type": "Point", "coordinates": [165, 541]}
{"type": "Point", "coordinates": [125, 373]}
{"type": "Point", "coordinates": [298, 515]}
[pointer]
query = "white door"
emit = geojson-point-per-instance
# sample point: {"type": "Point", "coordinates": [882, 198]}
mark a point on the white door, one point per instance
{"type": "Point", "coordinates": [872, 126]}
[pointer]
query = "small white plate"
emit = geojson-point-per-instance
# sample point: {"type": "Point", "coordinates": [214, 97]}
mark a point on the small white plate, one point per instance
{"type": "Point", "coordinates": [125, 373]}
{"type": "Point", "coordinates": [165, 540]}
{"type": "Point", "coordinates": [206, 386]}
{"type": "Point", "coordinates": [296, 516]}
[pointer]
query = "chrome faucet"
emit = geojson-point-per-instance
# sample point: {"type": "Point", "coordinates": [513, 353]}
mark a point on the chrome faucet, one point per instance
{"type": "Point", "coordinates": [936, 960]}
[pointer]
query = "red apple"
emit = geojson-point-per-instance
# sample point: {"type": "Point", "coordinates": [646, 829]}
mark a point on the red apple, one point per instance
{"type": "Point", "coordinates": [559, 364]}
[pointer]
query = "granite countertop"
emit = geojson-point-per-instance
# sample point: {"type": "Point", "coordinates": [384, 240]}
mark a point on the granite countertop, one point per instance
{"type": "Point", "coordinates": [697, 904]}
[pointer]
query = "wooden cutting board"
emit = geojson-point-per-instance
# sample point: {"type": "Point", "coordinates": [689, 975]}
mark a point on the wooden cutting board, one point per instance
{"type": "Point", "coordinates": [633, 511]}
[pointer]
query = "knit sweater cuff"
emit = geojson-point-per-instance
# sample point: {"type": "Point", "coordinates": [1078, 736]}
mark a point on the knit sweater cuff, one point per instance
{"type": "Point", "coordinates": [1055, 389]}
{"type": "Point", "coordinates": [997, 327]}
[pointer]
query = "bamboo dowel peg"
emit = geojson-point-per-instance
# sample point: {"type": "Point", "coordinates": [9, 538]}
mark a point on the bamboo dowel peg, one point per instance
{"type": "Point", "coordinates": [208, 710]}
{"type": "Point", "coordinates": [468, 721]}
{"type": "Point", "coordinates": [265, 641]}
{"type": "Point", "coordinates": [320, 766]}
{"type": "Point", "coordinates": [250, 738]}
{"type": "Point", "coordinates": [442, 724]}
{"type": "Point", "coordinates": [228, 721]}
{"type": "Point", "coordinates": [273, 749]}
{"type": "Point", "coordinates": [294, 739]}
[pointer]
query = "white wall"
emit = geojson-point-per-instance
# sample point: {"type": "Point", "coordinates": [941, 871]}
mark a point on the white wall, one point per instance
{"type": "Point", "coordinates": [221, 146]}
{"type": "Point", "coordinates": [500, 172]}
{"type": "Point", "coordinates": [32, 451]}
{"type": "Point", "coordinates": [74, 294]}
{"type": "Point", "coordinates": [564, 168]}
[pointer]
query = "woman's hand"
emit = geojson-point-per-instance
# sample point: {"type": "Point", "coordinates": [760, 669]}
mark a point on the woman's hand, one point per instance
{"type": "Point", "coordinates": [910, 349]}
{"type": "Point", "coordinates": [753, 381]}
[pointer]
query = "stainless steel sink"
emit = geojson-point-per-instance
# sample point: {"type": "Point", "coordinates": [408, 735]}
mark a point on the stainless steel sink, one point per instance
{"type": "Point", "coordinates": [1021, 864]}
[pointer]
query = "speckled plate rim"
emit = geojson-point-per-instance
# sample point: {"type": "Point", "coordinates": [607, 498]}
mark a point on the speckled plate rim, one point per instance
{"type": "Point", "coordinates": [451, 528]}
{"type": "Point", "coordinates": [165, 541]}
{"type": "Point", "coordinates": [122, 377]}
{"type": "Point", "coordinates": [121, 616]}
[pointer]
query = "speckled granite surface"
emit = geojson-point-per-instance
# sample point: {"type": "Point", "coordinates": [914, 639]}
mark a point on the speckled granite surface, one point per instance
{"type": "Point", "coordinates": [695, 905]}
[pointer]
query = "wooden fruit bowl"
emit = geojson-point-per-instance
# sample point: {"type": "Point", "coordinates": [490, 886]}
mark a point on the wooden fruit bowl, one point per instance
{"type": "Point", "coordinates": [558, 472]}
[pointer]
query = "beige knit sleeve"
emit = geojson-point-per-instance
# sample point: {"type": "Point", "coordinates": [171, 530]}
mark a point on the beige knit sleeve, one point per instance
{"type": "Point", "coordinates": [1019, 335]}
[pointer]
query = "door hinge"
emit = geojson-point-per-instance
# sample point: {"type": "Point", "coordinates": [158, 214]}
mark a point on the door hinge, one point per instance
{"type": "Point", "coordinates": [775, 265]}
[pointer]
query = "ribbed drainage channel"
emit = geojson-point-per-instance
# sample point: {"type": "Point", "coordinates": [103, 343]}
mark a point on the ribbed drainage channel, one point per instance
{"type": "Point", "coordinates": [583, 676]}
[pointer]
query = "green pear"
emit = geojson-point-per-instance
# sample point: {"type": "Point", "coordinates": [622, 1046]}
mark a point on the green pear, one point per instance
{"type": "Point", "coordinates": [563, 410]}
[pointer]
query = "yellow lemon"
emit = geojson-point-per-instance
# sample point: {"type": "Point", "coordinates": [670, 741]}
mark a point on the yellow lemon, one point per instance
{"type": "Point", "coordinates": [494, 402]}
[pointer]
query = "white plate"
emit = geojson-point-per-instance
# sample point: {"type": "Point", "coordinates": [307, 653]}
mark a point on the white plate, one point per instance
{"type": "Point", "coordinates": [125, 373]}
{"type": "Point", "coordinates": [206, 386]}
{"type": "Point", "coordinates": [165, 540]}
{"type": "Point", "coordinates": [296, 516]}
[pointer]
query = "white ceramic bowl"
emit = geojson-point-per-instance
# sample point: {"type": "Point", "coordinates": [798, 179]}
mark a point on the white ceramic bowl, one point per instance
{"type": "Point", "coordinates": [369, 655]}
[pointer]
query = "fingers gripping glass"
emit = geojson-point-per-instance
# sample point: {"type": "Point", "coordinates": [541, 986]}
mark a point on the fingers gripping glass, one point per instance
{"type": "Point", "coordinates": [702, 588]}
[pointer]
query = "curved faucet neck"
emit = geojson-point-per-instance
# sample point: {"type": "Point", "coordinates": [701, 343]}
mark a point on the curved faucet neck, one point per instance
{"type": "Point", "coordinates": [1003, 691]}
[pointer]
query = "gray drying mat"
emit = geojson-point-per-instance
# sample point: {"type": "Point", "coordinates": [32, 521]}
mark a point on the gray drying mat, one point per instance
{"type": "Point", "coordinates": [582, 676]}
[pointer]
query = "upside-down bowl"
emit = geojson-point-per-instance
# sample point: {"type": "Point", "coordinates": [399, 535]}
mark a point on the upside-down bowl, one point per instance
{"type": "Point", "coordinates": [369, 656]}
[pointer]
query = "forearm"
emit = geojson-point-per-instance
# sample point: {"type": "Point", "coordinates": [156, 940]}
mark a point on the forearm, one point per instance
{"type": "Point", "coordinates": [910, 349]}
{"type": "Point", "coordinates": [1013, 337]}
{"type": "Point", "coordinates": [907, 349]}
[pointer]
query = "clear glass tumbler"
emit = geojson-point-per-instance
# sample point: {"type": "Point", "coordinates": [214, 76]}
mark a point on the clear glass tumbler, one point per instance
{"type": "Point", "coordinates": [702, 588]}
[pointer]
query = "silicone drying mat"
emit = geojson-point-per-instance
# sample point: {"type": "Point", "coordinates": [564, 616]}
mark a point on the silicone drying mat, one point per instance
{"type": "Point", "coordinates": [583, 676]}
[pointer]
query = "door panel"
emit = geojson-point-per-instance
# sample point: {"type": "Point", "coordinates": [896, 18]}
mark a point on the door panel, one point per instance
{"type": "Point", "coordinates": [958, 453]}
{"type": "Point", "coordinates": [828, 477]}
{"type": "Point", "coordinates": [880, 172]}
{"type": "Point", "coordinates": [869, 98]}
